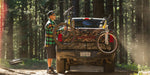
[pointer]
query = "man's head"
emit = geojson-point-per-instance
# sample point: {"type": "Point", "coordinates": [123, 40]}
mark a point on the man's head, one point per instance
{"type": "Point", "coordinates": [51, 15]}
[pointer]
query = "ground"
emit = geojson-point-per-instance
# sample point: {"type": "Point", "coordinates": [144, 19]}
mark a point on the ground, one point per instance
{"type": "Point", "coordinates": [75, 70]}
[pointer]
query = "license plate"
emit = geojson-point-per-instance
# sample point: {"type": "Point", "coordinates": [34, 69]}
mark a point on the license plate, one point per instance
{"type": "Point", "coordinates": [85, 54]}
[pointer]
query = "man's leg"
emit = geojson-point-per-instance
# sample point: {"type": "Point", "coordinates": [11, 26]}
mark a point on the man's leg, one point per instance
{"type": "Point", "coordinates": [50, 55]}
{"type": "Point", "coordinates": [49, 62]}
{"type": "Point", "coordinates": [54, 63]}
{"type": "Point", "coordinates": [50, 68]}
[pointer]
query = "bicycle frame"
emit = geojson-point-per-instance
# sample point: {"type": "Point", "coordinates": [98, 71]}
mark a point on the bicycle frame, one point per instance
{"type": "Point", "coordinates": [105, 26]}
{"type": "Point", "coordinates": [67, 15]}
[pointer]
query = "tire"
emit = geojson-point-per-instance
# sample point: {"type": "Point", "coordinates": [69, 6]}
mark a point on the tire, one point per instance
{"type": "Point", "coordinates": [108, 68]}
{"type": "Point", "coordinates": [67, 67]}
{"type": "Point", "coordinates": [69, 37]}
{"type": "Point", "coordinates": [101, 45]}
{"type": "Point", "coordinates": [60, 66]}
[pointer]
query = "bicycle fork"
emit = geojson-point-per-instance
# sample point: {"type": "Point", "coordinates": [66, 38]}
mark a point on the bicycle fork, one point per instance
{"type": "Point", "coordinates": [106, 36]}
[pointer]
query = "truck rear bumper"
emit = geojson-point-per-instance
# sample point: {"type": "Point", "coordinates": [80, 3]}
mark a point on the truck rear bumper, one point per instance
{"type": "Point", "coordinates": [85, 56]}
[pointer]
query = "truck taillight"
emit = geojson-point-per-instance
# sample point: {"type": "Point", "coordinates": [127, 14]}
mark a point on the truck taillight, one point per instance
{"type": "Point", "coordinates": [86, 18]}
{"type": "Point", "coordinates": [60, 37]}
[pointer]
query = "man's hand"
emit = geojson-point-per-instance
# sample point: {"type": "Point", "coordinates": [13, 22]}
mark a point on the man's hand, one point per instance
{"type": "Point", "coordinates": [65, 28]}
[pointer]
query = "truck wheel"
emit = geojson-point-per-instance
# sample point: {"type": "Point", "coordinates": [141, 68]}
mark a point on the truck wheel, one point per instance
{"type": "Point", "coordinates": [109, 67]}
{"type": "Point", "coordinates": [67, 67]}
{"type": "Point", "coordinates": [60, 66]}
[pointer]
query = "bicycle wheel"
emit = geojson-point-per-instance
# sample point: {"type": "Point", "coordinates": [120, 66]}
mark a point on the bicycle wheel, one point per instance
{"type": "Point", "coordinates": [109, 48]}
{"type": "Point", "coordinates": [64, 34]}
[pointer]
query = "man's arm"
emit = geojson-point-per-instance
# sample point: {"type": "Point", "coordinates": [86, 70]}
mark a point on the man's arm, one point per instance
{"type": "Point", "coordinates": [49, 27]}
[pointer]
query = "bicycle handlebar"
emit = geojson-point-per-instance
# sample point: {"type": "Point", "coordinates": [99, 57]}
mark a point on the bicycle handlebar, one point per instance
{"type": "Point", "coordinates": [111, 21]}
{"type": "Point", "coordinates": [108, 19]}
{"type": "Point", "coordinates": [68, 10]}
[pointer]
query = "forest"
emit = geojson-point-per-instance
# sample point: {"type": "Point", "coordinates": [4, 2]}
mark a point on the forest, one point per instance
{"type": "Point", "coordinates": [23, 28]}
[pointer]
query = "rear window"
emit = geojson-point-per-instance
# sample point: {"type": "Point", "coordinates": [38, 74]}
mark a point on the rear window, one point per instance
{"type": "Point", "coordinates": [79, 23]}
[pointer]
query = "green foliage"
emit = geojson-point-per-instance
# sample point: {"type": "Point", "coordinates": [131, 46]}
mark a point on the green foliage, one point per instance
{"type": "Point", "coordinates": [133, 67]}
{"type": "Point", "coordinates": [4, 63]}
{"type": "Point", "coordinates": [130, 67]}
{"type": "Point", "coordinates": [32, 64]}
{"type": "Point", "coordinates": [143, 68]}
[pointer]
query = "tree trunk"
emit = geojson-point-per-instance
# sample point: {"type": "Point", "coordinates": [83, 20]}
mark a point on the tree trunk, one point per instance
{"type": "Point", "coordinates": [109, 11]}
{"type": "Point", "coordinates": [66, 4]}
{"type": "Point", "coordinates": [50, 5]}
{"type": "Point", "coordinates": [9, 34]}
{"type": "Point", "coordinates": [98, 8]}
{"type": "Point", "coordinates": [24, 32]}
{"type": "Point", "coordinates": [121, 31]}
{"type": "Point", "coordinates": [43, 34]}
{"type": "Point", "coordinates": [146, 23]}
{"type": "Point", "coordinates": [3, 50]}
{"type": "Point", "coordinates": [76, 10]}
{"type": "Point", "coordinates": [87, 8]}
{"type": "Point", "coordinates": [10, 52]}
{"type": "Point", "coordinates": [39, 45]}
{"type": "Point", "coordinates": [30, 34]}
{"type": "Point", "coordinates": [115, 26]}
{"type": "Point", "coordinates": [133, 33]}
{"type": "Point", "coordinates": [126, 38]}
{"type": "Point", "coordinates": [139, 30]}
{"type": "Point", "coordinates": [61, 10]}
{"type": "Point", "coordinates": [2, 30]}
{"type": "Point", "coordinates": [35, 32]}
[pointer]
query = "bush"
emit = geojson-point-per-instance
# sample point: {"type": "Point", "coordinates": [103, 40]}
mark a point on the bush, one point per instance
{"type": "Point", "coordinates": [133, 67]}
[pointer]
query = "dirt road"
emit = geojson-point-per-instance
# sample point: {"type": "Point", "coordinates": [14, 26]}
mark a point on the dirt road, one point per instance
{"type": "Point", "coordinates": [75, 70]}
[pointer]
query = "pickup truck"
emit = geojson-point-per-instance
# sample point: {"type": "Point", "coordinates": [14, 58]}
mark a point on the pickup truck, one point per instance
{"type": "Point", "coordinates": [83, 42]}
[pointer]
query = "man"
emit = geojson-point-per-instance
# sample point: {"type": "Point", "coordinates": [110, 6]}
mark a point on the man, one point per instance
{"type": "Point", "coordinates": [49, 41]}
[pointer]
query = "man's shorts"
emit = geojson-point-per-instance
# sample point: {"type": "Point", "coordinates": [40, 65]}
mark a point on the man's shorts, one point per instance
{"type": "Point", "coordinates": [51, 51]}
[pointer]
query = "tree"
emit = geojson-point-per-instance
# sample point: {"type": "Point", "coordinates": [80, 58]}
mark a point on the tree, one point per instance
{"type": "Point", "coordinates": [146, 10]}
{"type": "Point", "coordinates": [115, 24]}
{"type": "Point", "coordinates": [3, 10]}
{"type": "Point", "coordinates": [61, 10]}
{"type": "Point", "coordinates": [139, 24]}
{"type": "Point", "coordinates": [30, 33]}
{"type": "Point", "coordinates": [49, 5]}
{"type": "Point", "coordinates": [87, 8]}
{"type": "Point", "coordinates": [24, 31]}
{"type": "Point", "coordinates": [133, 31]}
{"type": "Point", "coordinates": [98, 8]}
{"type": "Point", "coordinates": [76, 11]}
{"type": "Point", "coordinates": [121, 31]}
{"type": "Point", "coordinates": [10, 21]}
{"type": "Point", "coordinates": [109, 11]}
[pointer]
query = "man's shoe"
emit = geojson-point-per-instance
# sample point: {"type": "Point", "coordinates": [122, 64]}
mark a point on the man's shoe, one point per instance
{"type": "Point", "coordinates": [50, 70]}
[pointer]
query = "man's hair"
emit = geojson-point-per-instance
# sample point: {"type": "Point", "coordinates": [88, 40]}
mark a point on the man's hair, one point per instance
{"type": "Point", "coordinates": [51, 12]}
